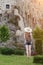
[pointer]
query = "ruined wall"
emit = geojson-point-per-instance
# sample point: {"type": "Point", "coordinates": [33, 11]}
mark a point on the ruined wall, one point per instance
{"type": "Point", "coordinates": [34, 12]}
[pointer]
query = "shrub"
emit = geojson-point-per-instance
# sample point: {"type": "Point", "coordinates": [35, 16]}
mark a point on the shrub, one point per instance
{"type": "Point", "coordinates": [6, 51]}
{"type": "Point", "coordinates": [19, 52]}
{"type": "Point", "coordinates": [38, 46]}
{"type": "Point", "coordinates": [38, 59]}
{"type": "Point", "coordinates": [4, 33]}
{"type": "Point", "coordinates": [9, 51]}
{"type": "Point", "coordinates": [38, 36]}
{"type": "Point", "coordinates": [38, 33]}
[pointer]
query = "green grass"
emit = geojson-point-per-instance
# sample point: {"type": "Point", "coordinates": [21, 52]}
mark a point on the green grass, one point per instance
{"type": "Point", "coordinates": [16, 60]}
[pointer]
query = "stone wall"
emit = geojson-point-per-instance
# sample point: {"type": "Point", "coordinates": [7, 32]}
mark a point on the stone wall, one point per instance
{"type": "Point", "coordinates": [34, 12]}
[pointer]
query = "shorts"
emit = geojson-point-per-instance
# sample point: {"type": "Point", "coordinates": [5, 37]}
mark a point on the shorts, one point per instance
{"type": "Point", "coordinates": [28, 43]}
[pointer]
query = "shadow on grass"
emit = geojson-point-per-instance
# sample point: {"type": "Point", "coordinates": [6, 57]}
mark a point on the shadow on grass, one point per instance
{"type": "Point", "coordinates": [38, 59]}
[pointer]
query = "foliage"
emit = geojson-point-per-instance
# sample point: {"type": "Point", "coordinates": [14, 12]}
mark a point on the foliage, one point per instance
{"type": "Point", "coordinates": [19, 51]}
{"type": "Point", "coordinates": [4, 33]}
{"type": "Point", "coordinates": [38, 33]}
{"type": "Point", "coordinates": [6, 51]}
{"type": "Point", "coordinates": [38, 46]}
{"type": "Point", "coordinates": [38, 36]}
{"type": "Point", "coordinates": [38, 59]}
{"type": "Point", "coordinates": [9, 51]}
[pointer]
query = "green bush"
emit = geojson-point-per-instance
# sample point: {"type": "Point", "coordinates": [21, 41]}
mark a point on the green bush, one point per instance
{"type": "Point", "coordinates": [4, 33]}
{"type": "Point", "coordinates": [6, 51]}
{"type": "Point", "coordinates": [38, 46]}
{"type": "Point", "coordinates": [19, 52]}
{"type": "Point", "coordinates": [38, 59]}
{"type": "Point", "coordinates": [38, 36]}
{"type": "Point", "coordinates": [9, 51]}
{"type": "Point", "coordinates": [37, 33]}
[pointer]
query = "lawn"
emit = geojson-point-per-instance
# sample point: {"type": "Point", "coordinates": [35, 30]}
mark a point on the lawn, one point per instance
{"type": "Point", "coordinates": [16, 60]}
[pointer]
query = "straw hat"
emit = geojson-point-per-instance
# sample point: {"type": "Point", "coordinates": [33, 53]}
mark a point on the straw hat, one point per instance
{"type": "Point", "coordinates": [28, 29]}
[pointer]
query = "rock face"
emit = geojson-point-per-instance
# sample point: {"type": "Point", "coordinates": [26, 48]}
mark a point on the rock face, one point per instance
{"type": "Point", "coordinates": [16, 26]}
{"type": "Point", "coordinates": [34, 12]}
{"type": "Point", "coordinates": [30, 10]}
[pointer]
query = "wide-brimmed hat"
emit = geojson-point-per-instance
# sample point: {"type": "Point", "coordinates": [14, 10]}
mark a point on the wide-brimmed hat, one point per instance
{"type": "Point", "coordinates": [28, 29]}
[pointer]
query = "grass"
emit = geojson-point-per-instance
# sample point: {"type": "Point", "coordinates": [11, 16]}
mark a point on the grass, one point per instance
{"type": "Point", "coordinates": [16, 60]}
